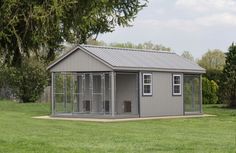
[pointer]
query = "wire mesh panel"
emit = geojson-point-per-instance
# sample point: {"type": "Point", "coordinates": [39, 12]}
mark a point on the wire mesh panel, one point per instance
{"type": "Point", "coordinates": [78, 93]}
{"type": "Point", "coordinates": [59, 97]}
{"type": "Point", "coordinates": [197, 103]}
{"type": "Point", "coordinates": [87, 99]}
{"type": "Point", "coordinates": [63, 93]}
{"type": "Point", "coordinates": [68, 93]}
{"type": "Point", "coordinates": [96, 91]}
{"type": "Point", "coordinates": [107, 94]}
{"type": "Point", "coordinates": [192, 101]}
{"type": "Point", "coordinates": [82, 93]}
{"type": "Point", "coordinates": [187, 93]}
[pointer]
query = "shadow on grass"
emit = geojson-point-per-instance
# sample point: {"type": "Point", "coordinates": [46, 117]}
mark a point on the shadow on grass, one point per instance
{"type": "Point", "coordinates": [223, 106]}
{"type": "Point", "coordinates": [220, 110]}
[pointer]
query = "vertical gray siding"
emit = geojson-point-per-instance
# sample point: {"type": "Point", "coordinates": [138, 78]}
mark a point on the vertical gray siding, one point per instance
{"type": "Point", "coordinates": [162, 102]}
{"type": "Point", "coordinates": [126, 86]}
{"type": "Point", "coordinates": [79, 61]}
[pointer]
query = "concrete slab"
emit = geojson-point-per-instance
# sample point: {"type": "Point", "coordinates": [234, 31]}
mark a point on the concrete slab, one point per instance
{"type": "Point", "coordinates": [119, 119]}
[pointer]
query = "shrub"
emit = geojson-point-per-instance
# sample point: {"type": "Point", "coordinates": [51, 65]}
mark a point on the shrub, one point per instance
{"type": "Point", "coordinates": [6, 91]}
{"type": "Point", "coordinates": [213, 75]}
{"type": "Point", "coordinates": [26, 81]}
{"type": "Point", "coordinates": [209, 91]}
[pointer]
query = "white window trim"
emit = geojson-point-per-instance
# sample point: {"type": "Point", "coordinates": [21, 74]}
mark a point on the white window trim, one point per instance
{"type": "Point", "coordinates": [179, 84]}
{"type": "Point", "coordinates": [147, 94]}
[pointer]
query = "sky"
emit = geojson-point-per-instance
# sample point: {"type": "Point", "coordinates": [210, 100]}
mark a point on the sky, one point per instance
{"type": "Point", "coordinates": [182, 25]}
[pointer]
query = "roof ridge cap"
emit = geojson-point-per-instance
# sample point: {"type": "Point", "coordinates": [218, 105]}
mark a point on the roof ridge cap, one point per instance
{"type": "Point", "coordinates": [129, 49]}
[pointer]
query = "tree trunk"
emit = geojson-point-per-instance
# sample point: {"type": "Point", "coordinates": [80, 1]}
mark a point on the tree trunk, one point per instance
{"type": "Point", "coordinates": [17, 58]}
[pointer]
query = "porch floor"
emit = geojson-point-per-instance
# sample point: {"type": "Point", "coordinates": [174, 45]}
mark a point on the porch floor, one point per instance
{"type": "Point", "coordinates": [122, 118]}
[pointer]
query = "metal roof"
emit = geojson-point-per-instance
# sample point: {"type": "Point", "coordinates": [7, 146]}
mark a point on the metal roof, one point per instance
{"type": "Point", "coordinates": [144, 59]}
{"type": "Point", "coordinates": [137, 59]}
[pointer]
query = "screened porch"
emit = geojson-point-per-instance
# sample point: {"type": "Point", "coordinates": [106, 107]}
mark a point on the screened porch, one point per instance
{"type": "Point", "coordinates": [192, 94]}
{"type": "Point", "coordinates": [96, 94]}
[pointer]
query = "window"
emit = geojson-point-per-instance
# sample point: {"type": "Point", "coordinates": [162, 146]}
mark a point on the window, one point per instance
{"type": "Point", "coordinates": [147, 84]}
{"type": "Point", "coordinates": [176, 85]}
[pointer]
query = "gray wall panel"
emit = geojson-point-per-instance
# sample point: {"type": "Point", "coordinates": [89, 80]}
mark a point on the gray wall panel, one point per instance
{"type": "Point", "coordinates": [126, 85]}
{"type": "Point", "coordinates": [162, 102]}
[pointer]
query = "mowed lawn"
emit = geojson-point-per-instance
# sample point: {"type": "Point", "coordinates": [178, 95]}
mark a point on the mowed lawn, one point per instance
{"type": "Point", "coordinates": [20, 133]}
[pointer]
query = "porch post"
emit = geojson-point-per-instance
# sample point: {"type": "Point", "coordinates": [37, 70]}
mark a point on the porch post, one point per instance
{"type": "Point", "coordinates": [139, 92]}
{"type": "Point", "coordinates": [113, 93]}
{"type": "Point", "coordinates": [200, 82]}
{"type": "Point", "coordinates": [52, 93]}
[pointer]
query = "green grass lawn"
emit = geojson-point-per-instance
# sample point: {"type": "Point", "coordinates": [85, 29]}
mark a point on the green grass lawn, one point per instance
{"type": "Point", "coordinates": [20, 133]}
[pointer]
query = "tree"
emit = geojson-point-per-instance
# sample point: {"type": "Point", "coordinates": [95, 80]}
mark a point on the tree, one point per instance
{"type": "Point", "coordinates": [146, 45]}
{"type": "Point", "coordinates": [209, 91]}
{"type": "Point", "coordinates": [187, 55]}
{"type": "Point", "coordinates": [39, 27]}
{"type": "Point", "coordinates": [228, 79]}
{"type": "Point", "coordinates": [91, 41]}
{"type": "Point", "coordinates": [213, 60]}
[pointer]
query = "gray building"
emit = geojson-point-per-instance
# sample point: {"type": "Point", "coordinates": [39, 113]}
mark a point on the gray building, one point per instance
{"type": "Point", "coordinates": [93, 81]}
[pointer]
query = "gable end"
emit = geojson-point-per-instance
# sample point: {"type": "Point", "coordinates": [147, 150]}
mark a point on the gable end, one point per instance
{"type": "Point", "coordinates": [78, 60]}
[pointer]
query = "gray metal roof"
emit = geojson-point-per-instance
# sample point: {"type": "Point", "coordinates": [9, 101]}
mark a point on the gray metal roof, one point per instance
{"type": "Point", "coordinates": [123, 58]}
{"type": "Point", "coordinates": [136, 59]}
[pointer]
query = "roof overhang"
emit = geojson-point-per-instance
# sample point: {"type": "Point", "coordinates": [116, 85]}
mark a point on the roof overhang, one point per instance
{"type": "Point", "coordinates": [159, 70]}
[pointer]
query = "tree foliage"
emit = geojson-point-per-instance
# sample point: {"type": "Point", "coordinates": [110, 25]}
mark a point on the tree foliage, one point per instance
{"type": "Point", "coordinates": [146, 45]}
{"type": "Point", "coordinates": [213, 75]}
{"type": "Point", "coordinates": [213, 60]}
{"type": "Point", "coordinates": [228, 80]}
{"type": "Point", "coordinates": [26, 82]}
{"type": "Point", "coordinates": [188, 55]}
{"type": "Point", "coordinates": [209, 91]}
{"type": "Point", "coordinates": [40, 26]}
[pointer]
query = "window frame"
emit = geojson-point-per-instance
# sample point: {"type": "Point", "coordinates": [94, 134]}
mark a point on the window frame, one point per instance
{"type": "Point", "coordinates": [177, 84]}
{"type": "Point", "coordinates": [147, 84]}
